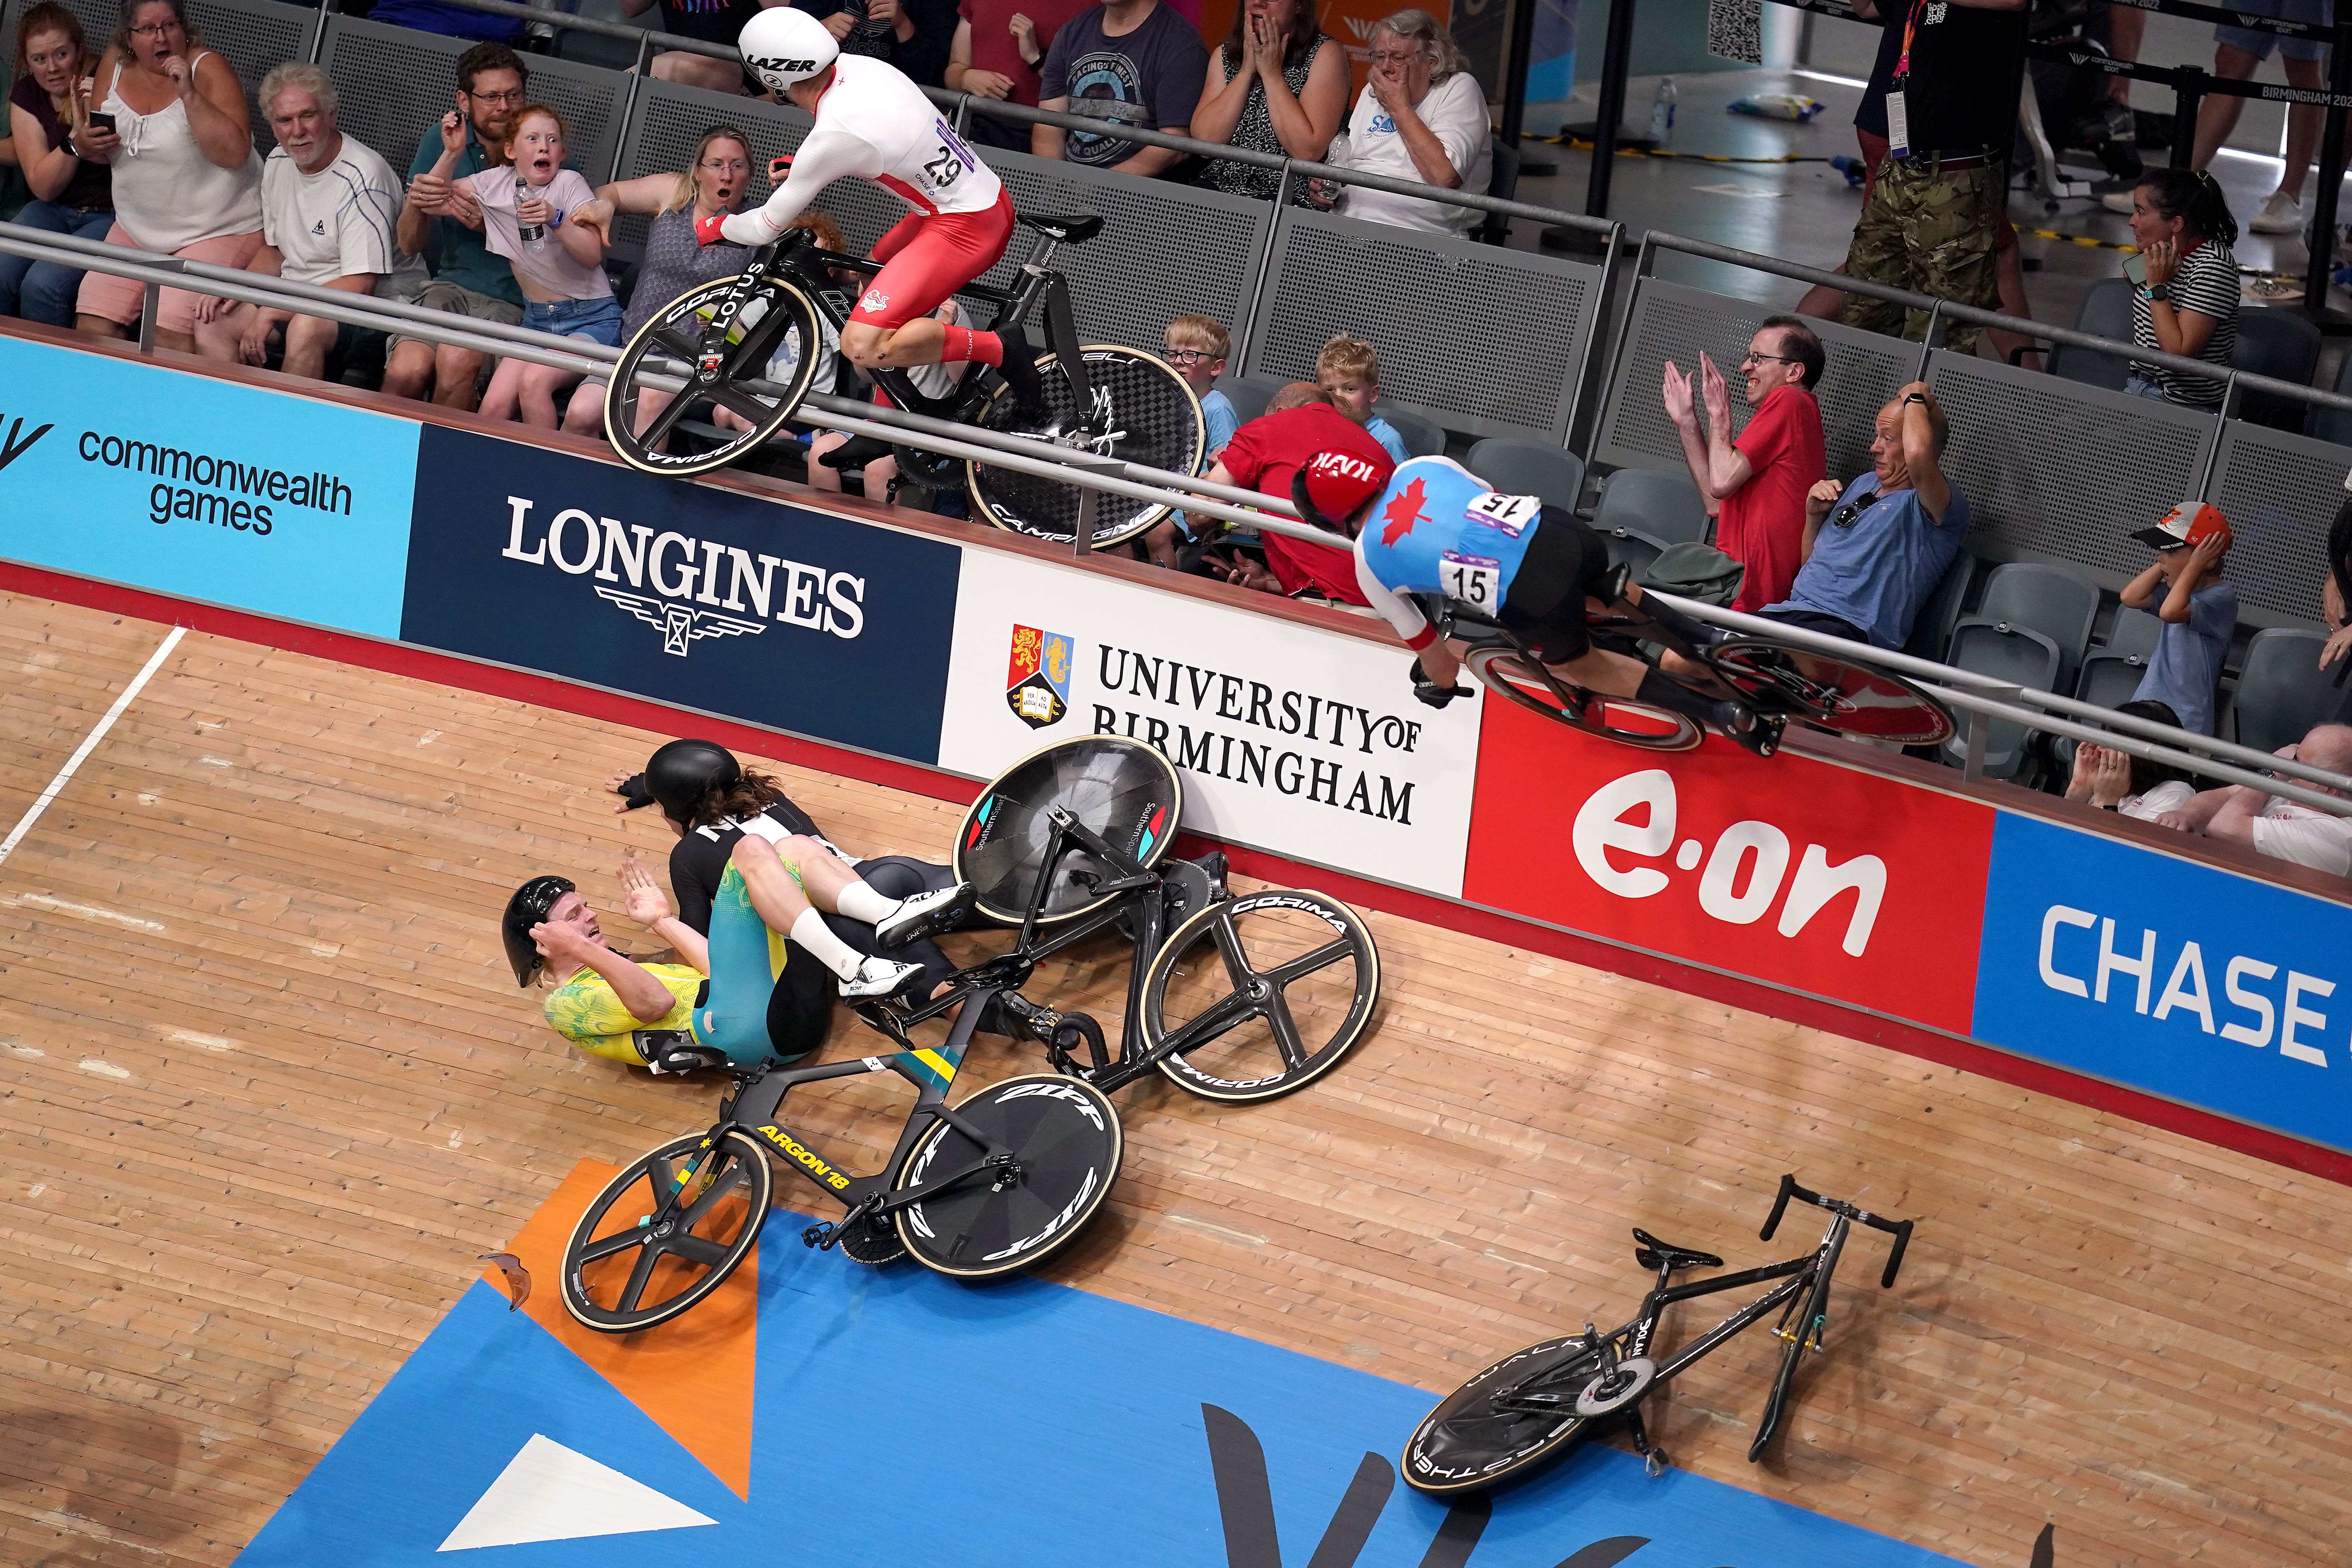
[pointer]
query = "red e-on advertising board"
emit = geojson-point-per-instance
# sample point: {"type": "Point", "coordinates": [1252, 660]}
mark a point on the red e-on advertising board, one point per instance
{"type": "Point", "coordinates": [1799, 873]}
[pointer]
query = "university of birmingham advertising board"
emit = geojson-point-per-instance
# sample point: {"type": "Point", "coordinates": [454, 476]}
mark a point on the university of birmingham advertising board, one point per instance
{"type": "Point", "coordinates": [687, 594]}
{"type": "Point", "coordinates": [1302, 742]}
{"type": "Point", "coordinates": [204, 488]}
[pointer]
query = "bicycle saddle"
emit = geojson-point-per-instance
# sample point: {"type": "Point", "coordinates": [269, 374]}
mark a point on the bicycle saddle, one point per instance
{"type": "Point", "coordinates": [1653, 1252]}
{"type": "Point", "coordinates": [1069, 230]}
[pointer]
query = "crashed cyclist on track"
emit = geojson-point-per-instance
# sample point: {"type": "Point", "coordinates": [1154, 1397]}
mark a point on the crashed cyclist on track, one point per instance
{"type": "Point", "coordinates": [1536, 569]}
{"type": "Point", "coordinates": [873, 123]}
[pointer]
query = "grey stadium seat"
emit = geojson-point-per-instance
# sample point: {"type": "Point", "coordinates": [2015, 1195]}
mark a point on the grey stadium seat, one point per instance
{"type": "Point", "coordinates": [2010, 653]}
{"type": "Point", "coordinates": [2284, 345]}
{"type": "Point", "coordinates": [2282, 692]}
{"type": "Point", "coordinates": [2106, 313]}
{"type": "Point", "coordinates": [2112, 670]}
{"type": "Point", "coordinates": [1423, 437]}
{"type": "Point", "coordinates": [1249, 394]}
{"type": "Point", "coordinates": [1931, 628]}
{"type": "Point", "coordinates": [1528, 469]}
{"type": "Point", "coordinates": [1666, 506]}
{"type": "Point", "coordinates": [2135, 632]}
{"type": "Point", "coordinates": [2058, 601]}
{"type": "Point", "coordinates": [2334, 424]}
{"type": "Point", "coordinates": [1637, 549]}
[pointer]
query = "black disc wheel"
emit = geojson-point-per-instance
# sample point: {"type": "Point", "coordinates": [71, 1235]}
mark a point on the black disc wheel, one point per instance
{"type": "Point", "coordinates": [668, 411]}
{"type": "Point", "coordinates": [1121, 789]}
{"type": "Point", "coordinates": [1466, 1445]}
{"type": "Point", "coordinates": [1816, 688]}
{"type": "Point", "coordinates": [1261, 994]}
{"type": "Point", "coordinates": [1503, 672]}
{"type": "Point", "coordinates": [666, 1231]}
{"type": "Point", "coordinates": [981, 1215]}
{"type": "Point", "coordinates": [1138, 410]}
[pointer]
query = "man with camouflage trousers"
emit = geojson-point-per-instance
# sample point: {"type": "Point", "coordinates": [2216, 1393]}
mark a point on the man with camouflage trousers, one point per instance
{"type": "Point", "coordinates": [1944, 92]}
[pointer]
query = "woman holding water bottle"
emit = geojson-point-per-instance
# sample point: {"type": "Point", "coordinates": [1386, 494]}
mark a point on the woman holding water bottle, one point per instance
{"type": "Point", "coordinates": [546, 221]}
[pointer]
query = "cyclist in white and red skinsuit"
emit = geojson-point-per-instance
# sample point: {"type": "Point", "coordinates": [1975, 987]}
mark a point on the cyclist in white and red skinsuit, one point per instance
{"type": "Point", "coordinates": [873, 123]}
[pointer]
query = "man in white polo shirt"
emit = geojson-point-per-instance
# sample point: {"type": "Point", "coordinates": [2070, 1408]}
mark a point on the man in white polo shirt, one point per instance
{"type": "Point", "coordinates": [330, 207]}
{"type": "Point", "coordinates": [2276, 827]}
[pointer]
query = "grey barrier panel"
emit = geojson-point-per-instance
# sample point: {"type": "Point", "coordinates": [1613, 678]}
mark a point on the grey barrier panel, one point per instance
{"type": "Point", "coordinates": [1674, 322]}
{"type": "Point", "coordinates": [2057, 471]}
{"type": "Point", "coordinates": [2280, 493]}
{"type": "Point", "coordinates": [395, 82]}
{"type": "Point", "coordinates": [254, 36]}
{"type": "Point", "coordinates": [1485, 340]}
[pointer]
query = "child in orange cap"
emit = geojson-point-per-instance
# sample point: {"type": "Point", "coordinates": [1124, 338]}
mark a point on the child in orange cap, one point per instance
{"type": "Point", "coordinates": [2199, 611]}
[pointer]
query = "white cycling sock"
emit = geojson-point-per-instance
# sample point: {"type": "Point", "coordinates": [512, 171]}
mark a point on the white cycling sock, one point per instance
{"type": "Point", "coordinates": [817, 938]}
{"type": "Point", "coordinates": [859, 902]}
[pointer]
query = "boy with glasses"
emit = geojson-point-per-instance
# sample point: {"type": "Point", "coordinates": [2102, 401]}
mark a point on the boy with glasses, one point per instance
{"type": "Point", "coordinates": [1755, 487]}
{"type": "Point", "coordinates": [1196, 347]}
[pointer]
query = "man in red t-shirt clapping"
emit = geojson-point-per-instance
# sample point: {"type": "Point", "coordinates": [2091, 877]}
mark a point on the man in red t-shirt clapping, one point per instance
{"type": "Point", "coordinates": [1269, 454]}
{"type": "Point", "coordinates": [1755, 487]}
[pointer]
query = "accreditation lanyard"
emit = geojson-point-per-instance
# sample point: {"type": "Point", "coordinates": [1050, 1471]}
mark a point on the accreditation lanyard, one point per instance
{"type": "Point", "coordinates": [1898, 117]}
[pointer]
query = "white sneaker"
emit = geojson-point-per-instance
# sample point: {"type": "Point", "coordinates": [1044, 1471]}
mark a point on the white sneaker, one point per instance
{"type": "Point", "coordinates": [923, 914]}
{"type": "Point", "coordinates": [2119, 201]}
{"type": "Point", "coordinates": [878, 979]}
{"type": "Point", "coordinates": [2280, 214]}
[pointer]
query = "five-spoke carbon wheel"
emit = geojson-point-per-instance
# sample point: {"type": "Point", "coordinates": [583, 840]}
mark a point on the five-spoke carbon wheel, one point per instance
{"type": "Point", "coordinates": [1260, 994]}
{"type": "Point", "coordinates": [978, 1217]}
{"type": "Point", "coordinates": [664, 416]}
{"type": "Point", "coordinates": [666, 1231]}
{"type": "Point", "coordinates": [1141, 411]}
{"type": "Point", "coordinates": [1501, 670]}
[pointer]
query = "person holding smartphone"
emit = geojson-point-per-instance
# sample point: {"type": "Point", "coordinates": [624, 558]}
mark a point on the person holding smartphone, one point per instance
{"type": "Point", "coordinates": [2185, 284]}
{"type": "Point", "coordinates": [72, 186]}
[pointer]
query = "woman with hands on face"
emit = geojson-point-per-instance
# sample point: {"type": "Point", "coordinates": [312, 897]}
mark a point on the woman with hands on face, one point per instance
{"type": "Point", "coordinates": [1278, 84]}
{"type": "Point", "coordinates": [186, 180]}
{"type": "Point", "coordinates": [2186, 300]}
{"type": "Point", "coordinates": [1422, 117]}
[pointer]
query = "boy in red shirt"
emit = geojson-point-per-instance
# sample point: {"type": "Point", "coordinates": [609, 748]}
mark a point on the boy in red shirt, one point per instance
{"type": "Point", "coordinates": [1755, 487]}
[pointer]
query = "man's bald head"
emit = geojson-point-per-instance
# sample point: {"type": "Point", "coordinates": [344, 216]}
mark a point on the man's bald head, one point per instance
{"type": "Point", "coordinates": [1298, 394]}
{"type": "Point", "coordinates": [2327, 746]}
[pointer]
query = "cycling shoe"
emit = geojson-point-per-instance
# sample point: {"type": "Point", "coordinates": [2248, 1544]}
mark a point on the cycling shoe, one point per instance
{"type": "Point", "coordinates": [924, 915]}
{"type": "Point", "coordinates": [855, 453]}
{"type": "Point", "coordinates": [685, 1058]}
{"type": "Point", "coordinates": [879, 979]}
{"type": "Point", "coordinates": [1021, 378]}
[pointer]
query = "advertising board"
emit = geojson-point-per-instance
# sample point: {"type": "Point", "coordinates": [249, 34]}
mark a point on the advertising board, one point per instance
{"type": "Point", "coordinates": [688, 594]}
{"type": "Point", "coordinates": [1303, 741]}
{"type": "Point", "coordinates": [202, 487]}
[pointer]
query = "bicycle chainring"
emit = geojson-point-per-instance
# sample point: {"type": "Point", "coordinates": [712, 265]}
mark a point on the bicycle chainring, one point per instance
{"type": "Point", "coordinates": [872, 1241]}
{"type": "Point", "coordinates": [1614, 1390]}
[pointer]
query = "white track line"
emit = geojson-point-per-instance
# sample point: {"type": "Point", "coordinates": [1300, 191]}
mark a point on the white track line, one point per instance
{"type": "Point", "coordinates": [89, 742]}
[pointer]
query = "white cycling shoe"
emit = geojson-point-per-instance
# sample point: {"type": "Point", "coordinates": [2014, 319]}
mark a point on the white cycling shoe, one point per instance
{"type": "Point", "coordinates": [878, 980]}
{"type": "Point", "coordinates": [924, 914]}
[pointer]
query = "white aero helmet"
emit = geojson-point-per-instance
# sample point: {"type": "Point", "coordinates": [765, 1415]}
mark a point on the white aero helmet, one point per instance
{"type": "Point", "coordinates": [781, 46]}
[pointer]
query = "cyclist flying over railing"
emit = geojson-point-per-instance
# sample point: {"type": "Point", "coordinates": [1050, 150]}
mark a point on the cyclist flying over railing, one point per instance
{"type": "Point", "coordinates": [1536, 570]}
{"type": "Point", "coordinates": [873, 123]}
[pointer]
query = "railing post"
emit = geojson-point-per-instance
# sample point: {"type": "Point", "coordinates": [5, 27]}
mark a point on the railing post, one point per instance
{"type": "Point", "coordinates": [152, 303]}
{"type": "Point", "coordinates": [1255, 311]}
{"type": "Point", "coordinates": [637, 75]}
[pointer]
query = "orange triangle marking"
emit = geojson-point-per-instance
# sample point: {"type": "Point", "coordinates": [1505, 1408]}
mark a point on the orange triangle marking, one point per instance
{"type": "Point", "coordinates": [692, 1374]}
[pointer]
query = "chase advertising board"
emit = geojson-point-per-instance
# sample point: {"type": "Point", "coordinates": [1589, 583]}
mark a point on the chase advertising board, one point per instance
{"type": "Point", "coordinates": [202, 487]}
{"type": "Point", "coordinates": [830, 628]}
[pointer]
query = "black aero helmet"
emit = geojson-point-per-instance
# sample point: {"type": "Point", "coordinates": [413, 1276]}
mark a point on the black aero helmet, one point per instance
{"type": "Point", "coordinates": [682, 773]}
{"type": "Point", "coordinates": [529, 907]}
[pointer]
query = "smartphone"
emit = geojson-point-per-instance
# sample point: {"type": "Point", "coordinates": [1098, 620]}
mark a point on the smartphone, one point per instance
{"type": "Point", "coordinates": [101, 122]}
{"type": "Point", "coordinates": [2136, 268]}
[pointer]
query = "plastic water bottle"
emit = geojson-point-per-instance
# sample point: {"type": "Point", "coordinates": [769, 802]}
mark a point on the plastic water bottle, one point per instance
{"type": "Point", "coordinates": [531, 234]}
{"type": "Point", "coordinates": [1662, 112]}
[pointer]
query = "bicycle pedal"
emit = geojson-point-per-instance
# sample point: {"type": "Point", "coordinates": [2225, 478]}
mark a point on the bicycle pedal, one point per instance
{"type": "Point", "coordinates": [820, 1235]}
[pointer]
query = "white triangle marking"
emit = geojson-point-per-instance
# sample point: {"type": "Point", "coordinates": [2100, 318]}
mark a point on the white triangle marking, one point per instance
{"type": "Point", "coordinates": [547, 1492]}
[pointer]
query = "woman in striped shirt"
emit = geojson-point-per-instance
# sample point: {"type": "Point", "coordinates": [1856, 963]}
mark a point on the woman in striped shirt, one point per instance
{"type": "Point", "coordinates": [2187, 303]}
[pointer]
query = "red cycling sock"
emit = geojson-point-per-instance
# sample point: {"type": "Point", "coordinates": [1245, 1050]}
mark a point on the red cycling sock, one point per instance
{"type": "Point", "coordinates": [963, 344]}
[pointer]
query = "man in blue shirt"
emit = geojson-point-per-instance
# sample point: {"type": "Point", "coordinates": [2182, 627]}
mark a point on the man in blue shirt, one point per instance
{"type": "Point", "coordinates": [1876, 550]}
{"type": "Point", "coordinates": [442, 223]}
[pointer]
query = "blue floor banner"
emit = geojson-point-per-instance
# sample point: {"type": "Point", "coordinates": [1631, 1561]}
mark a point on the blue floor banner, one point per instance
{"type": "Point", "coordinates": [689, 594]}
{"type": "Point", "coordinates": [898, 1417]}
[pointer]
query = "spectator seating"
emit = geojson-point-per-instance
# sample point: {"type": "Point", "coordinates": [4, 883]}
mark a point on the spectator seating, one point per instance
{"type": "Point", "coordinates": [2281, 691]}
{"type": "Point", "coordinates": [253, 35]}
{"type": "Point", "coordinates": [2049, 597]}
{"type": "Point", "coordinates": [2112, 672]}
{"type": "Point", "coordinates": [2105, 313]}
{"type": "Point", "coordinates": [2283, 345]}
{"type": "Point", "coordinates": [2332, 424]}
{"type": "Point", "coordinates": [1249, 394]}
{"type": "Point", "coordinates": [1502, 184]}
{"type": "Point", "coordinates": [1931, 628]}
{"type": "Point", "coordinates": [1667, 507]}
{"type": "Point", "coordinates": [1528, 469]}
{"type": "Point", "coordinates": [2278, 489]}
{"type": "Point", "coordinates": [2015, 654]}
{"type": "Point", "coordinates": [1423, 437]}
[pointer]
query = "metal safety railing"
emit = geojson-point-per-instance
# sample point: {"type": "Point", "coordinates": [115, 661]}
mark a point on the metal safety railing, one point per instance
{"type": "Point", "coordinates": [1983, 698]}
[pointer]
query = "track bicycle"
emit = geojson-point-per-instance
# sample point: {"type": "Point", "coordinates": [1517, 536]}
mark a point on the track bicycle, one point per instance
{"type": "Point", "coordinates": [1536, 1404]}
{"type": "Point", "coordinates": [752, 346]}
{"type": "Point", "coordinates": [1235, 998]}
{"type": "Point", "coordinates": [1774, 678]}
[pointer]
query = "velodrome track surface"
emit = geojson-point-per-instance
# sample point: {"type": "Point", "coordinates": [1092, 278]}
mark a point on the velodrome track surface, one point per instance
{"type": "Point", "coordinates": [267, 1092]}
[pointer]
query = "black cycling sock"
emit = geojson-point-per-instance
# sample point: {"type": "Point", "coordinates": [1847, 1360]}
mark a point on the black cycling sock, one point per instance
{"type": "Point", "coordinates": [1695, 633]}
{"type": "Point", "coordinates": [1661, 690]}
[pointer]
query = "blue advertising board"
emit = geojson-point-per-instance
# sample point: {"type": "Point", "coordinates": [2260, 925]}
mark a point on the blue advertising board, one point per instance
{"type": "Point", "coordinates": [204, 488]}
{"type": "Point", "coordinates": [687, 594]}
{"type": "Point", "coordinates": [2196, 983]}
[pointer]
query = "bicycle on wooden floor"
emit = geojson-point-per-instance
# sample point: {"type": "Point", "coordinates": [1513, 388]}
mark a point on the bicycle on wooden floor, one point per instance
{"type": "Point", "coordinates": [1776, 679]}
{"type": "Point", "coordinates": [1536, 1404]}
{"type": "Point", "coordinates": [717, 371]}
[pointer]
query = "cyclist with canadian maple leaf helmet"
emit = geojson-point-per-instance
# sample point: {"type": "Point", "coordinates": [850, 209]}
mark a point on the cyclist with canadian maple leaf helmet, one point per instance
{"type": "Point", "coordinates": [1536, 569]}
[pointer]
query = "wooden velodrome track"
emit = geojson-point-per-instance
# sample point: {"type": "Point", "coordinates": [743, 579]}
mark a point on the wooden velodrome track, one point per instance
{"type": "Point", "coordinates": [270, 1090]}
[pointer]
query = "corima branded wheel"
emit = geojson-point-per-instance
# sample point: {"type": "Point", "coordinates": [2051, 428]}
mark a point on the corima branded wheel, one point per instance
{"type": "Point", "coordinates": [658, 428]}
{"type": "Point", "coordinates": [1260, 994]}
{"type": "Point", "coordinates": [1118, 788]}
{"type": "Point", "coordinates": [629, 1265]}
{"type": "Point", "coordinates": [1066, 1146]}
{"type": "Point", "coordinates": [1142, 411]}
